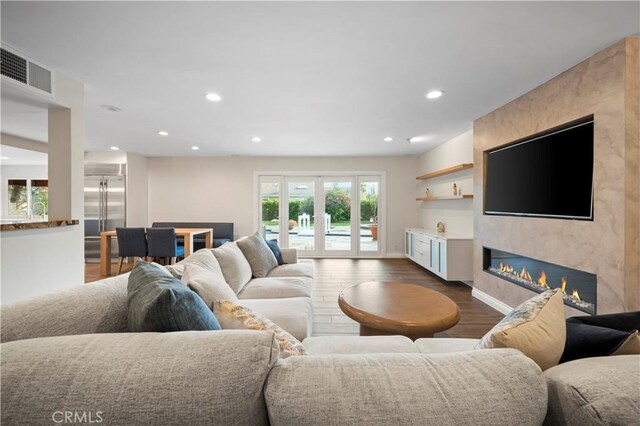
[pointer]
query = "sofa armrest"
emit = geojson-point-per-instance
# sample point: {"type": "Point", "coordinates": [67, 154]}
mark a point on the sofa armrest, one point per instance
{"type": "Point", "coordinates": [193, 377]}
{"type": "Point", "coordinates": [289, 255]}
{"type": "Point", "coordinates": [97, 307]}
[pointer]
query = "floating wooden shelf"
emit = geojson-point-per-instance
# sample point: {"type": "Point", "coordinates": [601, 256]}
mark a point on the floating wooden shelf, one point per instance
{"type": "Point", "coordinates": [448, 170]}
{"type": "Point", "coordinates": [445, 197]}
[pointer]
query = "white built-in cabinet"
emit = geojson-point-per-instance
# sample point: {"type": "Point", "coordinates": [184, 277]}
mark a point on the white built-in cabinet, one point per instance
{"type": "Point", "coordinates": [447, 255]}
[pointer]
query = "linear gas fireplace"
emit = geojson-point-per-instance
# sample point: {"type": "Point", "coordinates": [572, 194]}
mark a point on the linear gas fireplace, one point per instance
{"type": "Point", "coordinates": [578, 287]}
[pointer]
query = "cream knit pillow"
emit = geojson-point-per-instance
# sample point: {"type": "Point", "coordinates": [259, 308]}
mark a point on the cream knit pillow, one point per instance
{"type": "Point", "coordinates": [536, 328]}
{"type": "Point", "coordinates": [231, 315]}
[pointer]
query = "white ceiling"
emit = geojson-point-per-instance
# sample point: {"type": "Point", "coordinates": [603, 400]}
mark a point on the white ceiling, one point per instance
{"type": "Point", "coordinates": [321, 78]}
{"type": "Point", "coordinates": [22, 157]}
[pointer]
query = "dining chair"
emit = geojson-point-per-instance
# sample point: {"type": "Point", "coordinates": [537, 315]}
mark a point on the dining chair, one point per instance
{"type": "Point", "coordinates": [132, 242]}
{"type": "Point", "coordinates": [163, 243]}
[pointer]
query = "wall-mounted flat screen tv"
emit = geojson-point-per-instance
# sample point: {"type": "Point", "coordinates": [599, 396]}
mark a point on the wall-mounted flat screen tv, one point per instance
{"type": "Point", "coordinates": [547, 175]}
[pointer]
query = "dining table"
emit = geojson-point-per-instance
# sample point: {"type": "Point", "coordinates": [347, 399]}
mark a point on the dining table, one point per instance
{"type": "Point", "coordinates": [186, 233]}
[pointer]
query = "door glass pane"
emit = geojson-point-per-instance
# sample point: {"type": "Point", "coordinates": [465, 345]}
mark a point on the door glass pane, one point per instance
{"type": "Point", "coordinates": [369, 204]}
{"type": "Point", "coordinates": [301, 219]}
{"type": "Point", "coordinates": [18, 200]}
{"type": "Point", "coordinates": [337, 215]}
{"type": "Point", "coordinates": [40, 198]}
{"type": "Point", "coordinates": [270, 210]}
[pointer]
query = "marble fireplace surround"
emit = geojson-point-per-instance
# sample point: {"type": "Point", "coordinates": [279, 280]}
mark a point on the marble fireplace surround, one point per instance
{"type": "Point", "coordinates": [607, 86]}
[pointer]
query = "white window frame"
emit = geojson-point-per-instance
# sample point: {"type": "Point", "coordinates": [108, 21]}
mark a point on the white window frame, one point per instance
{"type": "Point", "coordinates": [284, 176]}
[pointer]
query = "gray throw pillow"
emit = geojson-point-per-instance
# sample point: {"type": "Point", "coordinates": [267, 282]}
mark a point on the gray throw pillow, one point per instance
{"type": "Point", "coordinates": [210, 285]}
{"type": "Point", "coordinates": [235, 268]}
{"type": "Point", "coordinates": [158, 302]}
{"type": "Point", "coordinates": [203, 257]}
{"type": "Point", "coordinates": [259, 255]}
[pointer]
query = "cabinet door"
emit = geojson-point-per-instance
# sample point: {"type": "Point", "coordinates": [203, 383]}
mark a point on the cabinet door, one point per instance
{"type": "Point", "coordinates": [442, 253]}
{"type": "Point", "coordinates": [420, 250]}
{"type": "Point", "coordinates": [409, 245]}
{"type": "Point", "coordinates": [435, 254]}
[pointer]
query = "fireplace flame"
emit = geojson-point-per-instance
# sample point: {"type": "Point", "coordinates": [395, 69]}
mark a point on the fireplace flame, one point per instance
{"type": "Point", "coordinates": [525, 276]}
{"type": "Point", "coordinates": [575, 295]}
{"type": "Point", "coordinates": [542, 280]}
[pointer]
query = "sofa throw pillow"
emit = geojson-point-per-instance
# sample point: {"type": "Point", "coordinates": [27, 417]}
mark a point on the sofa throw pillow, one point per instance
{"type": "Point", "coordinates": [631, 345]}
{"type": "Point", "coordinates": [535, 327]}
{"type": "Point", "coordinates": [258, 254]}
{"type": "Point", "coordinates": [235, 268]}
{"type": "Point", "coordinates": [628, 322]}
{"type": "Point", "coordinates": [209, 285]}
{"type": "Point", "coordinates": [586, 341]}
{"type": "Point", "coordinates": [203, 258]}
{"type": "Point", "coordinates": [623, 321]}
{"type": "Point", "coordinates": [158, 302]}
{"type": "Point", "coordinates": [231, 315]}
{"type": "Point", "coordinates": [275, 248]}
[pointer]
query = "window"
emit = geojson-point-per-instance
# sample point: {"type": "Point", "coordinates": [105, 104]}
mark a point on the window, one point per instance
{"type": "Point", "coordinates": [28, 198]}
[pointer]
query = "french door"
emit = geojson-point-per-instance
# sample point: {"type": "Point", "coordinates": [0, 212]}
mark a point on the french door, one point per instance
{"type": "Point", "coordinates": [332, 216]}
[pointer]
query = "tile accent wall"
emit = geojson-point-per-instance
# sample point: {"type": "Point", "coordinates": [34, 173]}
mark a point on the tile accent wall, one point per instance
{"type": "Point", "coordinates": [605, 85]}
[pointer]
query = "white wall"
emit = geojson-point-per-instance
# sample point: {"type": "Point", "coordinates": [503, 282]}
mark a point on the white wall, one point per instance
{"type": "Point", "coordinates": [137, 190]}
{"type": "Point", "coordinates": [105, 157]}
{"type": "Point", "coordinates": [41, 261]}
{"type": "Point", "coordinates": [222, 189]}
{"type": "Point", "coordinates": [457, 215]}
{"type": "Point", "coordinates": [17, 172]}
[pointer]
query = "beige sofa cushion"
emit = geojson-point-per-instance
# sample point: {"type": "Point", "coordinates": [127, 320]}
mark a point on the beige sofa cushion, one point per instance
{"type": "Point", "coordinates": [293, 314]}
{"type": "Point", "coordinates": [235, 268]}
{"type": "Point", "coordinates": [210, 285]}
{"type": "Point", "coordinates": [594, 391]}
{"type": "Point", "coordinates": [182, 378]}
{"type": "Point", "coordinates": [258, 254]}
{"type": "Point", "coordinates": [304, 268]}
{"type": "Point", "coordinates": [229, 313]}
{"type": "Point", "coordinates": [536, 327]}
{"type": "Point", "coordinates": [489, 387]}
{"type": "Point", "coordinates": [327, 345]}
{"type": "Point", "coordinates": [203, 258]}
{"type": "Point", "coordinates": [438, 345]}
{"type": "Point", "coordinates": [277, 288]}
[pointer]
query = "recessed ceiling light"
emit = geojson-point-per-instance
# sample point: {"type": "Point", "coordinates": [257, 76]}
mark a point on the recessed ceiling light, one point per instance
{"type": "Point", "coordinates": [163, 133]}
{"type": "Point", "coordinates": [256, 139]}
{"type": "Point", "coordinates": [434, 94]}
{"type": "Point", "coordinates": [4, 158]}
{"type": "Point", "coordinates": [213, 97]}
{"type": "Point", "coordinates": [388, 139]}
{"type": "Point", "coordinates": [195, 148]}
{"type": "Point", "coordinates": [418, 139]}
{"type": "Point", "coordinates": [115, 148]}
{"type": "Point", "coordinates": [111, 108]}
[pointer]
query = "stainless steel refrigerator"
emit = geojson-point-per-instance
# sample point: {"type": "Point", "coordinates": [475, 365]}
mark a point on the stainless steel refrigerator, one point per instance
{"type": "Point", "coordinates": [105, 205]}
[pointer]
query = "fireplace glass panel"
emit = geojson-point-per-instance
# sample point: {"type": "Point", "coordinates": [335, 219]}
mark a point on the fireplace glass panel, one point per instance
{"type": "Point", "coordinates": [578, 287]}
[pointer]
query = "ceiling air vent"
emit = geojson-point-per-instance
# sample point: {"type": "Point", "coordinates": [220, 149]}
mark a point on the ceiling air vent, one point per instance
{"type": "Point", "coordinates": [21, 70]}
{"type": "Point", "coordinates": [13, 66]}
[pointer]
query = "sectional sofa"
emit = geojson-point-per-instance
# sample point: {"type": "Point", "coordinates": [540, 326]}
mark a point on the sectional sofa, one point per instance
{"type": "Point", "coordinates": [69, 355]}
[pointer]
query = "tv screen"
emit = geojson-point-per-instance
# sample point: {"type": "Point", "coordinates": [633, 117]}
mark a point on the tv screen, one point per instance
{"type": "Point", "coordinates": [550, 175]}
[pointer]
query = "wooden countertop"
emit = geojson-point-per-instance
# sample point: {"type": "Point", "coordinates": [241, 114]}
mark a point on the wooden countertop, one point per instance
{"type": "Point", "coordinates": [20, 225]}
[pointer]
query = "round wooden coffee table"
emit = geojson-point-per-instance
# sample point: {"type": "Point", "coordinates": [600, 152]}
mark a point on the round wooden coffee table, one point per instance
{"type": "Point", "coordinates": [384, 308]}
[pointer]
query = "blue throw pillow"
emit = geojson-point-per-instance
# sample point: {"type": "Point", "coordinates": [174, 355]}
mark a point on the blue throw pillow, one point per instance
{"type": "Point", "coordinates": [159, 302]}
{"type": "Point", "coordinates": [273, 245]}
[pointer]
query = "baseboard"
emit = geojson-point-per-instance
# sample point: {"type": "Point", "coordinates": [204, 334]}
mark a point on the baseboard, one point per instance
{"type": "Point", "coordinates": [499, 306]}
{"type": "Point", "coordinates": [394, 255]}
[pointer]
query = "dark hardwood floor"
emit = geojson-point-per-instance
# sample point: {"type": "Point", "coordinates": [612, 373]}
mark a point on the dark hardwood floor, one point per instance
{"type": "Point", "coordinates": [333, 275]}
